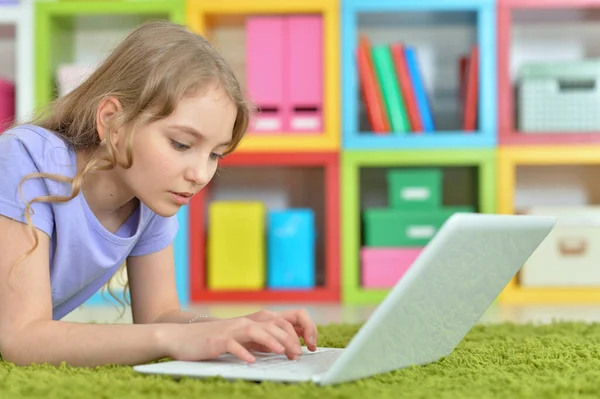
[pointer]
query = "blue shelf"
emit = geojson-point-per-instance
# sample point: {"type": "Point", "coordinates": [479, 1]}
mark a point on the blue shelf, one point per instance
{"type": "Point", "coordinates": [414, 5]}
{"type": "Point", "coordinates": [485, 36]}
{"type": "Point", "coordinates": [443, 140]}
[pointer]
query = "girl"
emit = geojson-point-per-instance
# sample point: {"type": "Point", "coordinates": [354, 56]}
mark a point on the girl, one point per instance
{"type": "Point", "coordinates": [96, 182]}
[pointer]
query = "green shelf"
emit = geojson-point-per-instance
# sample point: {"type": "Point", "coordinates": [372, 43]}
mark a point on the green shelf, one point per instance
{"type": "Point", "coordinates": [352, 161]}
{"type": "Point", "coordinates": [55, 31]}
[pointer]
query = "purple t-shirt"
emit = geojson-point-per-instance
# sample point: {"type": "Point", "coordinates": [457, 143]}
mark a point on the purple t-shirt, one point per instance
{"type": "Point", "coordinates": [83, 254]}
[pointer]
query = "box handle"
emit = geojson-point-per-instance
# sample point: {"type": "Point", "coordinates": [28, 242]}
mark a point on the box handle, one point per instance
{"type": "Point", "coordinates": [576, 84]}
{"type": "Point", "coordinates": [421, 231]}
{"type": "Point", "coordinates": [572, 247]}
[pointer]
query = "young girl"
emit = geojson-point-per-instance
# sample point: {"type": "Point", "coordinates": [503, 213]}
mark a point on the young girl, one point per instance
{"type": "Point", "coordinates": [96, 182]}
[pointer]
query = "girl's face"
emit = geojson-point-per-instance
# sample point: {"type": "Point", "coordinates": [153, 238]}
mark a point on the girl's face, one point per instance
{"type": "Point", "coordinates": [176, 157]}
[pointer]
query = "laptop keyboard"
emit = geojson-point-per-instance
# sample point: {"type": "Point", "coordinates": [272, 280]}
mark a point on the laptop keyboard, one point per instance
{"type": "Point", "coordinates": [308, 362]}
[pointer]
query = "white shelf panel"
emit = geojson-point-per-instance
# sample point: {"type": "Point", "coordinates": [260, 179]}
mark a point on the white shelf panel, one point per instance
{"type": "Point", "coordinates": [10, 14]}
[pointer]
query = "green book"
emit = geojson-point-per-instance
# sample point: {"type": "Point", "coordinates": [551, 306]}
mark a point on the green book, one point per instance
{"type": "Point", "coordinates": [392, 96]}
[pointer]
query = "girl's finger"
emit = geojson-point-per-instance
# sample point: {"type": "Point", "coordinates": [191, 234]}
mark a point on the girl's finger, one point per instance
{"type": "Point", "coordinates": [237, 349]}
{"type": "Point", "coordinates": [260, 336]}
{"type": "Point", "coordinates": [290, 340]}
{"type": "Point", "coordinates": [301, 319]}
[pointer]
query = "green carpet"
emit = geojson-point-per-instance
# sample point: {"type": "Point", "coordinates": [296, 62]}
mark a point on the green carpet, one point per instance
{"type": "Point", "coordinates": [560, 360]}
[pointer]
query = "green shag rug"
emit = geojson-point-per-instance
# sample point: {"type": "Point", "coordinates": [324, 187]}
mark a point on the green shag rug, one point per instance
{"type": "Point", "coordinates": [560, 360]}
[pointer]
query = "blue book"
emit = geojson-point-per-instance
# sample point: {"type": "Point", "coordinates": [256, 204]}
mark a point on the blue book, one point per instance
{"type": "Point", "coordinates": [291, 249]}
{"type": "Point", "coordinates": [419, 87]}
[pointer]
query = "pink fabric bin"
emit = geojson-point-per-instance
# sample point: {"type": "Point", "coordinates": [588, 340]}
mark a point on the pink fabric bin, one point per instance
{"type": "Point", "coordinates": [383, 267]}
{"type": "Point", "coordinates": [7, 104]}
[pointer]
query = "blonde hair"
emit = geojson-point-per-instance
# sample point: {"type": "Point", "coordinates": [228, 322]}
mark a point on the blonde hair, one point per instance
{"type": "Point", "coordinates": [154, 67]}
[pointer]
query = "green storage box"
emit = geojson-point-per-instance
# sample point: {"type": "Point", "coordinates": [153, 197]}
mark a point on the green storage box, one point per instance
{"type": "Point", "coordinates": [415, 189]}
{"type": "Point", "coordinates": [387, 227]}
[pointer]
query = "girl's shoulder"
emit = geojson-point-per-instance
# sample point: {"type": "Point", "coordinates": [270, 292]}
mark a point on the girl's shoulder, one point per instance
{"type": "Point", "coordinates": [31, 144]}
{"type": "Point", "coordinates": [32, 136]}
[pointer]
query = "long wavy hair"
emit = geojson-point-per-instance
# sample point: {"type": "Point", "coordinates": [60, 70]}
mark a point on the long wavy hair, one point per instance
{"type": "Point", "coordinates": [149, 72]}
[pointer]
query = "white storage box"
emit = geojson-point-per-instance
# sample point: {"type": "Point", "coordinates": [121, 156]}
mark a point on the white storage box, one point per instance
{"type": "Point", "coordinates": [570, 255]}
{"type": "Point", "coordinates": [559, 97]}
{"type": "Point", "coordinates": [70, 76]}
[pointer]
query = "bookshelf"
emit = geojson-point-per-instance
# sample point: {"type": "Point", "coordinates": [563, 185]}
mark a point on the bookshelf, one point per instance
{"type": "Point", "coordinates": [438, 30]}
{"type": "Point", "coordinates": [487, 159]}
{"type": "Point", "coordinates": [527, 30]}
{"type": "Point", "coordinates": [543, 167]}
{"type": "Point", "coordinates": [16, 39]}
{"type": "Point", "coordinates": [212, 18]}
{"type": "Point", "coordinates": [510, 160]}
{"type": "Point", "coordinates": [473, 169]}
{"type": "Point", "coordinates": [283, 181]}
{"type": "Point", "coordinates": [269, 156]}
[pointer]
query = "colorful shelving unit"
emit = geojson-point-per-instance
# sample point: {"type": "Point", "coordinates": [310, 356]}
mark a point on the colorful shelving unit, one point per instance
{"type": "Point", "coordinates": [285, 149]}
{"type": "Point", "coordinates": [448, 147]}
{"type": "Point", "coordinates": [519, 149]}
{"type": "Point", "coordinates": [345, 149]}
{"type": "Point", "coordinates": [478, 16]}
{"type": "Point", "coordinates": [17, 17]}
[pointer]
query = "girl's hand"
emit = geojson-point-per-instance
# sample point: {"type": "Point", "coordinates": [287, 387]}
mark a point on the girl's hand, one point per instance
{"type": "Point", "coordinates": [237, 336]}
{"type": "Point", "coordinates": [299, 319]}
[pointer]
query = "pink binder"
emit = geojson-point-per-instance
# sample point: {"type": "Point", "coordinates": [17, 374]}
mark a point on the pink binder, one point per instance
{"type": "Point", "coordinates": [265, 72]}
{"type": "Point", "coordinates": [305, 72]}
{"type": "Point", "coordinates": [7, 104]}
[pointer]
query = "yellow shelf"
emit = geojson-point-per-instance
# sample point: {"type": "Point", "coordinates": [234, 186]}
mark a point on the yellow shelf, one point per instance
{"type": "Point", "coordinates": [509, 158]}
{"type": "Point", "coordinates": [198, 7]}
{"type": "Point", "coordinates": [514, 294]}
{"type": "Point", "coordinates": [287, 142]}
{"type": "Point", "coordinates": [550, 154]}
{"type": "Point", "coordinates": [200, 13]}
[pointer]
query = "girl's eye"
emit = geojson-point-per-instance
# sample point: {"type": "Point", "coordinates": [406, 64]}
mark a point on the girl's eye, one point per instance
{"type": "Point", "coordinates": [215, 156]}
{"type": "Point", "coordinates": [178, 146]}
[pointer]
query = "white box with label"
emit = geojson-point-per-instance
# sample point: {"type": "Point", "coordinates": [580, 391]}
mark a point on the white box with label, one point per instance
{"type": "Point", "coordinates": [570, 255]}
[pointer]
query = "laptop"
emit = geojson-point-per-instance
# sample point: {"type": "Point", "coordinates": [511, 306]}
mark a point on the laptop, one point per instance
{"type": "Point", "coordinates": [444, 293]}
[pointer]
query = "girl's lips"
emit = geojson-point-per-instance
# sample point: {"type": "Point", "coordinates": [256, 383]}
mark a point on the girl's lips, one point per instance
{"type": "Point", "coordinates": [181, 198]}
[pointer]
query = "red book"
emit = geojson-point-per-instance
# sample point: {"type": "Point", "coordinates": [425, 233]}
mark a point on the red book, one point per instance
{"type": "Point", "coordinates": [472, 92]}
{"type": "Point", "coordinates": [406, 87]}
{"type": "Point", "coordinates": [370, 89]}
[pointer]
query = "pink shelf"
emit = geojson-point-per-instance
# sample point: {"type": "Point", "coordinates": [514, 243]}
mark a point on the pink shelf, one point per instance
{"type": "Point", "coordinates": [508, 133]}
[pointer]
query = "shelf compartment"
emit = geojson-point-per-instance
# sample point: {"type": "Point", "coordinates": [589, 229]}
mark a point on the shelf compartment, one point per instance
{"type": "Point", "coordinates": [574, 168]}
{"type": "Point", "coordinates": [317, 167]}
{"type": "Point", "coordinates": [462, 25]}
{"type": "Point", "coordinates": [84, 32]}
{"type": "Point", "coordinates": [526, 32]}
{"type": "Point", "coordinates": [223, 24]}
{"type": "Point", "coordinates": [474, 168]}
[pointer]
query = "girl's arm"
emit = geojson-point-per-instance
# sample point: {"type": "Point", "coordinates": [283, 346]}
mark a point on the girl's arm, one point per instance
{"type": "Point", "coordinates": [29, 335]}
{"type": "Point", "coordinates": [153, 290]}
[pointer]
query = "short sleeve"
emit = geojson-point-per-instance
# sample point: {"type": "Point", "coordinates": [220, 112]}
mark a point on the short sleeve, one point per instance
{"type": "Point", "coordinates": [20, 156]}
{"type": "Point", "coordinates": [158, 234]}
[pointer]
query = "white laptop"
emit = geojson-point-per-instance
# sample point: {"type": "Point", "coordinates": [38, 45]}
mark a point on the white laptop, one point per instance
{"type": "Point", "coordinates": [424, 317]}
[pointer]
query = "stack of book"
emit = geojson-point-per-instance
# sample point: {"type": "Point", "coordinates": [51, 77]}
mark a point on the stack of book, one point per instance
{"type": "Point", "coordinates": [394, 93]}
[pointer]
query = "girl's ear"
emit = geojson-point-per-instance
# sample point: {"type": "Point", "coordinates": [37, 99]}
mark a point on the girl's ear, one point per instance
{"type": "Point", "coordinates": [107, 110]}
